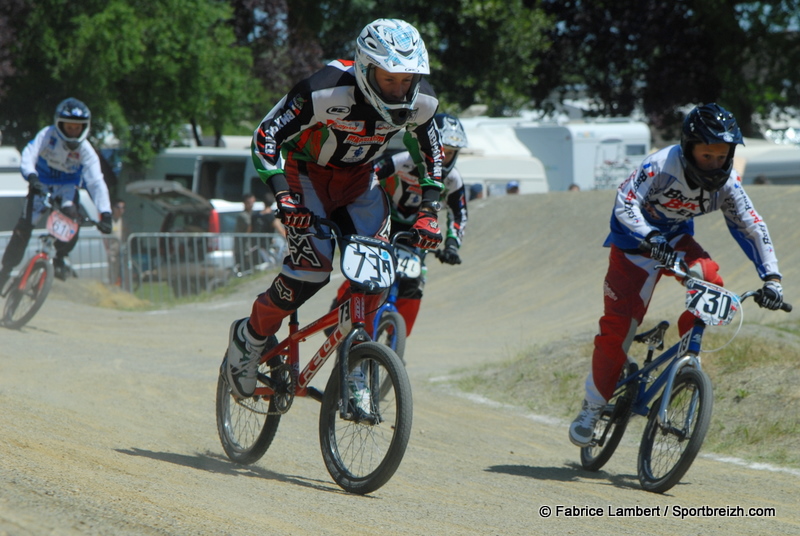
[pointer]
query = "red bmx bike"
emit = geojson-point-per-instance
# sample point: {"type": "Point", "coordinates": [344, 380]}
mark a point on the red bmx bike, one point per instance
{"type": "Point", "coordinates": [362, 443]}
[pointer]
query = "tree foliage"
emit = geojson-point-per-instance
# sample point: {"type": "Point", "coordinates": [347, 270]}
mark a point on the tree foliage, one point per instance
{"type": "Point", "coordinates": [148, 67]}
{"type": "Point", "coordinates": [481, 51]}
{"type": "Point", "coordinates": [666, 55]}
{"type": "Point", "coordinates": [144, 66]}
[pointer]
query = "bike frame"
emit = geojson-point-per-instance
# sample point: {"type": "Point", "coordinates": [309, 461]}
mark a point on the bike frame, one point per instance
{"type": "Point", "coordinates": [391, 299]}
{"type": "Point", "coordinates": [349, 319]}
{"type": "Point", "coordinates": [23, 277]}
{"type": "Point", "coordinates": [389, 306]}
{"type": "Point", "coordinates": [47, 241]}
{"type": "Point", "coordinates": [683, 353]}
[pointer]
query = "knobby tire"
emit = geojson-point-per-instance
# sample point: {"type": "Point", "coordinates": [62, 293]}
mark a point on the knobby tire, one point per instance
{"type": "Point", "coordinates": [246, 427]}
{"type": "Point", "coordinates": [392, 333]}
{"type": "Point", "coordinates": [362, 457]}
{"type": "Point", "coordinates": [22, 304]}
{"type": "Point", "coordinates": [665, 456]}
{"type": "Point", "coordinates": [615, 416]}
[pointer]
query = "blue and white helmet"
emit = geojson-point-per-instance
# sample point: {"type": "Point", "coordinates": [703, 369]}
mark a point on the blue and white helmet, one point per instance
{"type": "Point", "coordinates": [394, 46]}
{"type": "Point", "coordinates": [72, 111]}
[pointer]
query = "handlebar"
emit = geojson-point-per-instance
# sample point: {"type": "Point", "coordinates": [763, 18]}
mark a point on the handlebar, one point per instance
{"type": "Point", "coordinates": [681, 269]}
{"type": "Point", "coordinates": [756, 294]}
{"type": "Point", "coordinates": [336, 231]}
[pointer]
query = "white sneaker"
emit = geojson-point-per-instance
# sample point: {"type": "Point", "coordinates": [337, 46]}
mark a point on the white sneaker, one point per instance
{"type": "Point", "coordinates": [242, 358]}
{"type": "Point", "coordinates": [582, 428]}
{"type": "Point", "coordinates": [359, 390]}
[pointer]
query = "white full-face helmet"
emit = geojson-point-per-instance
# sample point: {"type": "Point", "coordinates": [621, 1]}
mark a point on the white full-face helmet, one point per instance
{"type": "Point", "coordinates": [394, 46]}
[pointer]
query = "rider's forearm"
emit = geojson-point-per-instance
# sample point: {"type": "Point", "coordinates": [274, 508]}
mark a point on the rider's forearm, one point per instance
{"type": "Point", "coordinates": [278, 183]}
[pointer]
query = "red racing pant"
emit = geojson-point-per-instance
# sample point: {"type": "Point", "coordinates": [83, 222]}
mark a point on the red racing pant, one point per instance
{"type": "Point", "coordinates": [352, 198]}
{"type": "Point", "coordinates": [627, 290]}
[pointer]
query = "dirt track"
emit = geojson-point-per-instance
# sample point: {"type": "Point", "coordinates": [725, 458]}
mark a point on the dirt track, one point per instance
{"type": "Point", "coordinates": [107, 422]}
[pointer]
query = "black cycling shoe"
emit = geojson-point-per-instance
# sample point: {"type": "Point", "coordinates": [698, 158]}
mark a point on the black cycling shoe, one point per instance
{"type": "Point", "coordinates": [60, 269]}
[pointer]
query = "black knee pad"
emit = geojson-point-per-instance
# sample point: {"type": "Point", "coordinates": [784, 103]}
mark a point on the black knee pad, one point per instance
{"type": "Point", "coordinates": [63, 248]}
{"type": "Point", "coordinates": [411, 289]}
{"type": "Point", "coordinates": [289, 293]}
{"type": "Point", "coordinates": [70, 211]}
{"type": "Point", "coordinates": [19, 241]}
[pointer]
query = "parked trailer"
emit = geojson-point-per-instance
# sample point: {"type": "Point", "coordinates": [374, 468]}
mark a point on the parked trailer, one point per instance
{"type": "Point", "coordinates": [595, 155]}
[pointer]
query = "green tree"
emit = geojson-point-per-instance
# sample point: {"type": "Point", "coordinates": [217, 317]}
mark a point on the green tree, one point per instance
{"type": "Point", "coordinates": [144, 66]}
{"type": "Point", "coordinates": [481, 51]}
{"type": "Point", "coordinates": [663, 56]}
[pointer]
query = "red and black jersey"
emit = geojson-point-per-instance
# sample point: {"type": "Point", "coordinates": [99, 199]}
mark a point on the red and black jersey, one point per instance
{"type": "Point", "coordinates": [325, 120]}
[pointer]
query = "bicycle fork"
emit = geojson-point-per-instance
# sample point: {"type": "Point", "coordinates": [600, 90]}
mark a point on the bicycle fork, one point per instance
{"type": "Point", "coordinates": [690, 349]}
{"type": "Point", "coordinates": [357, 334]}
{"type": "Point", "coordinates": [22, 279]}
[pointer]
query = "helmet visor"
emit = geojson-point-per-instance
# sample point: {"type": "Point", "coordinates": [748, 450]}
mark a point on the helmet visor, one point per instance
{"type": "Point", "coordinates": [393, 88]}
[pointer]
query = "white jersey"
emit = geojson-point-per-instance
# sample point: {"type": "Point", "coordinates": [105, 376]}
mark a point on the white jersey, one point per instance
{"type": "Point", "coordinates": [657, 197]}
{"type": "Point", "coordinates": [48, 156]}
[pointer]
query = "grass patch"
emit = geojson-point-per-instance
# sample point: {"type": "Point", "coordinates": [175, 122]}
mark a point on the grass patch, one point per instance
{"type": "Point", "coordinates": [756, 379]}
{"type": "Point", "coordinates": [160, 295]}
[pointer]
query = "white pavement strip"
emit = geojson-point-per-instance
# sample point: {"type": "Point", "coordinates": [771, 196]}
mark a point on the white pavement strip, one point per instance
{"type": "Point", "coordinates": [480, 399]}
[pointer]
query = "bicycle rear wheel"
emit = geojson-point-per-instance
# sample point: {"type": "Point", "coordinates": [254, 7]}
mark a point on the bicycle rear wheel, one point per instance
{"type": "Point", "coordinates": [392, 333]}
{"type": "Point", "coordinates": [246, 427]}
{"type": "Point", "coordinates": [361, 456]}
{"type": "Point", "coordinates": [666, 453]}
{"type": "Point", "coordinates": [22, 304]}
{"type": "Point", "coordinates": [610, 426]}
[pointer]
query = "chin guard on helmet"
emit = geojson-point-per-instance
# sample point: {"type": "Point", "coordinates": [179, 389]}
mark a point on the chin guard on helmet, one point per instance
{"type": "Point", "coordinates": [709, 124]}
{"type": "Point", "coordinates": [72, 111]}
{"type": "Point", "coordinates": [396, 47]}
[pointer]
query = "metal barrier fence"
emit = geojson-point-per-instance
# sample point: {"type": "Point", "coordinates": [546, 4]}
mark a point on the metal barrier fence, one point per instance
{"type": "Point", "coordinates": [161, 267]}
{"type": "Point", "coordinates": [89, 258]}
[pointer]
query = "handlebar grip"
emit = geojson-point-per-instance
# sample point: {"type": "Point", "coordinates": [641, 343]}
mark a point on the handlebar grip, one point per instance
{"type": "Point", "coordinates": [785, 306]}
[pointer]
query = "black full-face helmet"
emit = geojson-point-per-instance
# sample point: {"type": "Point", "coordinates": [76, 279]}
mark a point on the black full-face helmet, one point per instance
{"type": "Point", "coordinates": [72, 111]}
{"type": "Point", "coordinates": [709, 123]}
{"type": "Point", "coordinates": [453, 135]}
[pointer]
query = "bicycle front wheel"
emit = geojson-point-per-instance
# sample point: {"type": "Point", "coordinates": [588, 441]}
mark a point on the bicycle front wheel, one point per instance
{"type": "Point", "coordinates": [362, 456]}
{"type": "Point", "coordinates": [667, 451]}
{"type": "Point", "coordinates": [392, 333]}
{"type": "Point", "coordinates": [23, 303]}
{"type": "Point", "coordinates": [246, 427]}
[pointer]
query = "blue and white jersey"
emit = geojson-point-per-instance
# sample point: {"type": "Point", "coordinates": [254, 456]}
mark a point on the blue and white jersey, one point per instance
{"type": "Point", "coordinates": [48, 156]}
{"type": "Point", "coordinates": [657, 197]}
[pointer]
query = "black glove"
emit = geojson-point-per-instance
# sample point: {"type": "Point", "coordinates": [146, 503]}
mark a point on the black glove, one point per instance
{"type": "Point", "coordinates": [35, 185]}
{"type": "Point", "coordinates": [293, 212]}
{"type": "Point", "coordinates": [105, 224]}
{"type": "Point", "coordinates": [771, 295]}
{"type": "Point", "coordinates": [660, 249]}
{"type": "Point", "coordinates": [449, 254]}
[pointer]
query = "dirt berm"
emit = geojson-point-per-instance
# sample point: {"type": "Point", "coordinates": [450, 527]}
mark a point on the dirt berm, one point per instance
{"type": "Point", "coordinates": [107, 420]}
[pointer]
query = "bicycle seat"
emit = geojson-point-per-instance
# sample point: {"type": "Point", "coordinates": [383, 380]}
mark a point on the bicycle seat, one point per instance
{"type": "Point", "coordinates": [654, 336]}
